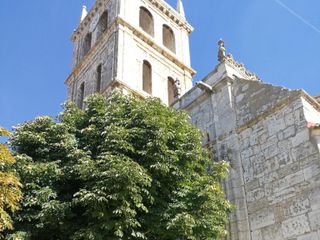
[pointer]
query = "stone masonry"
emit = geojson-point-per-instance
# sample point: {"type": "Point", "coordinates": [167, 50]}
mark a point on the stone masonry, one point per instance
{"type": "Point", "coordinates": [269, 134]}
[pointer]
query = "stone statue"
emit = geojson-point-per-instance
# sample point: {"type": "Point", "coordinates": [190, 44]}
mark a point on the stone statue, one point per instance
{"type": "Point", "coordinates": [177, 89]}
{"type": "Point", "coordinates": [222, 51]}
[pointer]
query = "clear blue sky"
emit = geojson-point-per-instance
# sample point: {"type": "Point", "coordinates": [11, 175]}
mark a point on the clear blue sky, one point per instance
{"type": "Point", "coordinates": [280, 44]}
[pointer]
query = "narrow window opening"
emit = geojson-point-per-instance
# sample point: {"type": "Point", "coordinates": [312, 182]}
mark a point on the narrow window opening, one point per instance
{"type": "Point", "coordinates": [168, 38]}
{"type": "Point", "coordinates": [103, 24]}
{"type": "Point", "coordinates": [87, 44]}
{"type": "Point", "coordinates": [81, 96]}
{"type": "Point", "coordinates": [99, 77]}
{"type": "Point", "coordinates": [146, 21]}
{"type": "Point", "coordinates": [171, 91]}
{"type": "Point", "coordinates": [147, 77]}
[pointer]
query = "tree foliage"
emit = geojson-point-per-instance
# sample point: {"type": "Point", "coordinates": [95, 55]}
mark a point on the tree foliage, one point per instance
{"type": "Point", "coordinates": [123, 168]}
{"type": "Point", "coordinates": [10, 193]}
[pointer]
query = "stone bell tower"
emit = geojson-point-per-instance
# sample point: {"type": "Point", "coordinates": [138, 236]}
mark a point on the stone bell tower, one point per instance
{"type": "Point", "coordinates": [138, 46]}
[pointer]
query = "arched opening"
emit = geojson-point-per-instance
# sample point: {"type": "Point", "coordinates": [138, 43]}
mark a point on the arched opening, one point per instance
{"type": "Point", "coordinates": [171, 91]}
{"type": "Point", "coordinates": [168, 38]}
{"type": "Point", "coordinates": [87, 44]}
{"type": "Point", "coordinates": [103, 24]}
{"type": "Point", "coordinates": [146, 21]}
{"type": "Point", "coordinates": [147, 77]}
{"type": "Point", "coordinates": [81, 95]}
{"type": "Point", "coordinates": [99, 77]}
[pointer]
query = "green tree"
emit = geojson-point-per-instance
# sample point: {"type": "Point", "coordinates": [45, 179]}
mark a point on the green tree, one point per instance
{"type": "Point", "coordinates": [123, 168]}
{"type": "Point", "coordinates": [10, 193]}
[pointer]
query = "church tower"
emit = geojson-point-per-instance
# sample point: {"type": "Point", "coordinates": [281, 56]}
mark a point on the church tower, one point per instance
{"type": "Point", "coordinates": [138, 46]}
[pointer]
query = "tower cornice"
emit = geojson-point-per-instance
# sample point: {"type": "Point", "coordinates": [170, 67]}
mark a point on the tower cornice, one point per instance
{"type": "Point", "coordinates": [172, 14]}
{"type": "Point", "coordinates": [161, 5]}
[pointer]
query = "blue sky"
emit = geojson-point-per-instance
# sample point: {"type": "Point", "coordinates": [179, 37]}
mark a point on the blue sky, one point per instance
{"type": "Point", "coordinates": [280, 44]}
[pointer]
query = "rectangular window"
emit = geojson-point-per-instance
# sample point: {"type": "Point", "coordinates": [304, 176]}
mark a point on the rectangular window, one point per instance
{"type": "Point", "coordinates": [99, 77]}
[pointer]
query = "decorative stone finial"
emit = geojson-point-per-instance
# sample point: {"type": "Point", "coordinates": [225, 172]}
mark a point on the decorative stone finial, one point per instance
{"type": "Point", "coordinates": [222, 51]}
{"type": "Point", "coordinates": [84, 13]}
{"type": "Point", "coordinates": [180, 8]}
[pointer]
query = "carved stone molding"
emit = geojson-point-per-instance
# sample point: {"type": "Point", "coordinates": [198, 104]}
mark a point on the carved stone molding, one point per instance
{"type": "Point", "coordinates": [241, 68]}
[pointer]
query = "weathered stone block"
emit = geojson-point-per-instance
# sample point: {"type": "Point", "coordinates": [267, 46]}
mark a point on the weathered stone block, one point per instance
{"type": "Point", "coordinates": [297, 206]}
{"type": "Point", "coordinates": [262, 219]}
{"type": "Point", "coordinates": [283, 159]}
{"type": "Point", "coordinates": [314, 218]}
{"type": "Point", "coordinates": [301, 137]}
{"type": "Point", "coordinates": [252, 185]}
{"type": "Point", "coordinates": [279, 212]}
{"type": "Point", "coordinates": [289, 132]}
{"type": "Point", "coordinates": [296, 226]}
{"type": "Point", "coordinates": [310, 236]}
{"type": "Point", "coordinates": [276, 125]}
{"type": "Point", "coordinates": [255, 195]}
{"type": "Point", "coordinates": [303, 151]}
{"type": "Point", "coordinates": [315, 199]}
{"type": "Point", "coordinates": [273, 232]}
{"type": "Point", "coordinates": [275, 197]}
{"type": "Point", "coordinates": [311, 171]}
{"type": "Point", "coordinates": [271, 151]}
{"type": "Point", "coordinates": [285, 145]}
{"type": "Point", "coordinates": [288, 169]}
{"type": "Point", "coordinates": [289, 118]}
{"type": "Point", "coordinates": [257, 235]}
{"type": "Point", "coordinates": [257, 205]}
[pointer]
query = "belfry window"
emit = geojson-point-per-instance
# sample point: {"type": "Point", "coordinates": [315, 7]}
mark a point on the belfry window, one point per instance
{"type": "Point", "coordinates": [147, 77]}
{"type": "Point", "coordinates": [99, 77]}
{"type": "Point", "coordinates": [168, 38]}
{"type": "Point", "coordinates": [87, 44]}
{"type": "Point", "coordinates": [103, 24]}
{"type": "Point", "coordinates": [171, 91]}
{"type": "Point", "coordinates": [81, 95]}
{"type": "Point", "coordinates": [146, 21]}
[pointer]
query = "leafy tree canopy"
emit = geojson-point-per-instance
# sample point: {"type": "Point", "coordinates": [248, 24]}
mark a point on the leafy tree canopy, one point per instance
{"type": "Point", "coordinates": [123, 168]}
{"type": "Point", "coordinates": [10, 193]}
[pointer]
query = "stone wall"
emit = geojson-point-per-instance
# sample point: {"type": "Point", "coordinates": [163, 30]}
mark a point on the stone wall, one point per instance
{"type": "Point", "coordinates": [281, 170]}
{"type": "Point", "coordinates": [88, 75]}
{"type": "Point", "coordinates": [263, 131]}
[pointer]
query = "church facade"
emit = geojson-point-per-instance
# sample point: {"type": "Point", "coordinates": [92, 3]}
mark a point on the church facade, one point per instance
{"type": "Point", "coordinates": [269, 134]}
